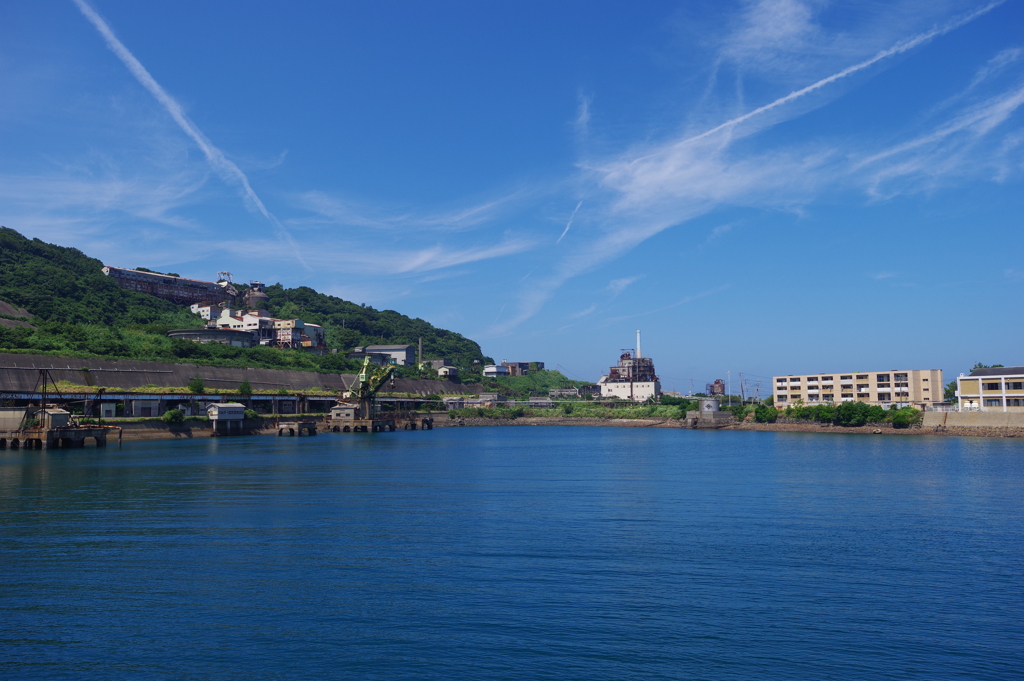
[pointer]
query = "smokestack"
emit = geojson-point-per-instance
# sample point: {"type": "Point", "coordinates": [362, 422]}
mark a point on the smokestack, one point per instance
{"type": "Point", "coordinates": [419, 355]}
{"type": "Point", "coordinates": [638, 352]}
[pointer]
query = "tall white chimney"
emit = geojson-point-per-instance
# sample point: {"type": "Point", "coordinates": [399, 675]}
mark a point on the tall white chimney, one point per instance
{"type": "Point", "coordinates": [638, 352]}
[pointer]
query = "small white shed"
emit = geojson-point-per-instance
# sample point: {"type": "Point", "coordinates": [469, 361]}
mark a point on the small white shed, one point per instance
{"type": "Point", "coordinates": [226, 411]}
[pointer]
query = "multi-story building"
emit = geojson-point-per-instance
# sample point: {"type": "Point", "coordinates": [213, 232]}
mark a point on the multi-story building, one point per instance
{"type": "Point", "coordinates": [206, 311]}
{"type": "Point", "coordinates": [995, 389]}
{"type": "Point", "coordinates": [915, 387]}
{"type": "Point", "coordinates": [633, 379]}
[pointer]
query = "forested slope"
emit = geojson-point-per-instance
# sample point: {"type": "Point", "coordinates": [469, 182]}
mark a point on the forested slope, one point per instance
{"type": "Point", "coordinates": [78, 311]}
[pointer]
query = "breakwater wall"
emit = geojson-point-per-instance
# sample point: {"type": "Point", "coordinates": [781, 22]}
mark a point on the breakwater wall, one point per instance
{"type": "Point", "coordinates": [20, 373]}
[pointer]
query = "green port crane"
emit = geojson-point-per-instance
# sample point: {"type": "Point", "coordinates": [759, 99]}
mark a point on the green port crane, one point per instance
{"type": "Point", "coordinates": [368, 383]}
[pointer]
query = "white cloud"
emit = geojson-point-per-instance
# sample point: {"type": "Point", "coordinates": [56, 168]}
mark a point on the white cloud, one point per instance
{"type": "Point", "coordinates": [642, 192]}
{"type": "Point", "coordinates": [569, 223]}
{"type": "Point", "coordinates": [617, 286]}
{"type": "Point", "coordinates": [328, 209]}
{"type": "Point", "coordinates": [583, 313]}
{"type": "Point", "coordinates": [224, 167]}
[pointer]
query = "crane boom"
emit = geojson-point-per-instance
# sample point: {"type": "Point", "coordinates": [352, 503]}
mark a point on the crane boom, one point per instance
{"type": "Point", "coordinates": [368, 383]}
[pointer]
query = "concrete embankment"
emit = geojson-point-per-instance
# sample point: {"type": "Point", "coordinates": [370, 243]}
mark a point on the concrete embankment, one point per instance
{"type": "Point", "coordinates": [443, 422]}
{"type": "Point", "coordinates": [990, 425]}
{"type": "Point", "coordinates": [979, 430]}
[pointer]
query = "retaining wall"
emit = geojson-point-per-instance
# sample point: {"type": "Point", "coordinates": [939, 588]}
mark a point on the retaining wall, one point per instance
{"type": "Point", "coordinates": [973, 419]}
{"type": "Point", "coordinates": [19, 373]}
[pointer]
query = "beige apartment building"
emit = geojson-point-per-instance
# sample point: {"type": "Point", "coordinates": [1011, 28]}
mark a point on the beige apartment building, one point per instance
{"type": "Point", "coordinates": [918, 388]}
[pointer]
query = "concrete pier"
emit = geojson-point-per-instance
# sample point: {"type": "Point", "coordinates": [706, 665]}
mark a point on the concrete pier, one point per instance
{"type": "Point", "coordinates": [57, 438]}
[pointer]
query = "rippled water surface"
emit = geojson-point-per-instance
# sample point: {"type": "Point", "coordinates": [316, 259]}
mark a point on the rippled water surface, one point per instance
{"type": "Point", "coordinates": [516, 553]}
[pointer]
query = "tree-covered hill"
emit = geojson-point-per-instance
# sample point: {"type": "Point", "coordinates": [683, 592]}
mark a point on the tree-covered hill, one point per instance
{"type": "Point", "coordinates": [78, 311]}
{"type": "Point", "coordinates": [350, 324]}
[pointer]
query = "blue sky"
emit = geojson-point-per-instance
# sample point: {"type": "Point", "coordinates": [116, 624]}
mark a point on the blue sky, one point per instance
{"type": "Point", "coordinates": [761, 187]}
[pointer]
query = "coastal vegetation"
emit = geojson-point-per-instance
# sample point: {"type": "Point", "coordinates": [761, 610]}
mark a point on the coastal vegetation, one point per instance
{"type": "Point", "coordinates": [77, 311]}
{"type": "Point", "coordinates": [850, 414]}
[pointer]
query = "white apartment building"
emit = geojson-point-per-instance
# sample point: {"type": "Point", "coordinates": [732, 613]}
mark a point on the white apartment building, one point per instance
{"type": "Point", "coordinates": [913, 387]}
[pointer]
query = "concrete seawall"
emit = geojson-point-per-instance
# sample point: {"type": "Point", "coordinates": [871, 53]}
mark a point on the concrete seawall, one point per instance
{"type": "Point", "coordinates": [20, 373]}
{"type": "Point", "coordinates": [973, 419]}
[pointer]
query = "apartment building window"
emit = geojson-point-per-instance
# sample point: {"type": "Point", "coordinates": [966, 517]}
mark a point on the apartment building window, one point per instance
{"type": "Point", "coordinates": [796, 396]}
{"type": "Point", "coordinates": [862, 396]}
{"type": "Point", "coordinates": [993, 402]}
{"type": "Point", "coordinates": [882, 378]}
{"type": "Point", "coordinates": [883, 397]}
{"type": "Point", "coordinates": [924, 380]}
{"type": "Point", "coordinates": [780, 380]}
{"type": "Point", "coordinates": [990, 386]}
{"type": "Point", "coordinates": [782, 387]}
{"type": "Point", "coordinates": [812, 398]}
{"type": "Point", "coordinates": [782, 398]}
{"type": "Point", "coordinates": [829, 397]}
{"type": "Point", "coordinates": [1014, 402]}
{"type": "Point", "coordinates": [924, 389]}
{"type": "Point", "coordinates": [902, 385]}
{"type": "Point", "coordinates": [826, 378]}
{"type": "Point", "coordinates": [847, 395]}
{"type": "Point", "coordinates": [863, 386]}
{"type": "Point", "coordinates": [1015, 385]}
{"type": "Point", "coordinates": [812, 379]}
{"type": "Point", "coordinates": [846, 386]}
{"type": "Point", "coordinates": [883, 385]}
{"type": "Point", "coordinates": [899, 377]}
{"type": "Point", "coordinates": [846, 378]}
{"type": "Point", "coordinates": [861, 377]}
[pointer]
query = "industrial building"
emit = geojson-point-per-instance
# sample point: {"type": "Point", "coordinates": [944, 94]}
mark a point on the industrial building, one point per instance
{"type": "Point", "coordinates": [399, 355]}
{"type": "Point", "coordinates": [233, 337]}
{"type": "Point", "coordinates": [634, 377]}
{"type": "Point", "coordinates": [175, 289]}
{"type": "Point", "coordinates": [995, 389]}
{"type": "Point", "coordinates": [522, 368]}
{"type": "Point", "coordinates": [257, 326]}
{"type": "Point", "coordinates": [914, 387]}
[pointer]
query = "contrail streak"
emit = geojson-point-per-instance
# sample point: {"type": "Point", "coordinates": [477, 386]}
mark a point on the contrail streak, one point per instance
{"type": "Point", "coordinates": [569, 224]}
{"type": "Point", "coordinates": [898, 48]}
{"type": "Point", "coordinates": [214, 156]}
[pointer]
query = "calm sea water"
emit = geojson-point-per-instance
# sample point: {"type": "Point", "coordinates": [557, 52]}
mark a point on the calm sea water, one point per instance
{"type": "Point", "coordinates": [516, 553]}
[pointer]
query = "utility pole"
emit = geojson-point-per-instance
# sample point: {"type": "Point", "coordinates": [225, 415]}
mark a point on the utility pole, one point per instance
{"type": "Point", "coordinates": [729, 389]}
{"type": "Point", "coordinates": [743, 399]}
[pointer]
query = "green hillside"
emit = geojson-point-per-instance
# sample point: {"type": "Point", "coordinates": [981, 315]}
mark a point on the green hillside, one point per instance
{"type": "Point", "coordinates": [78, 311]}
